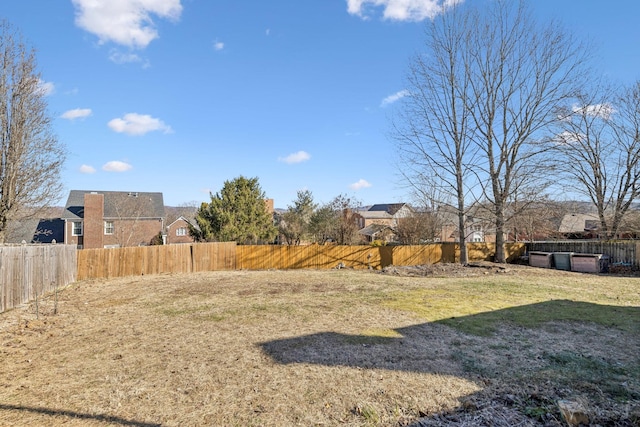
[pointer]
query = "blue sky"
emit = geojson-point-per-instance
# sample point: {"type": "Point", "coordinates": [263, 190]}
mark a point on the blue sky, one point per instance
{"type": "Point", "coordinates": [178, 96]}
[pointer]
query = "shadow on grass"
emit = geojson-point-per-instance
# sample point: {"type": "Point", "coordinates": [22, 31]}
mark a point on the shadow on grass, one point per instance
{"type": "Point", "coordinates": [555, 344]}
{"type": "Point", "coordinates": [107, 419]}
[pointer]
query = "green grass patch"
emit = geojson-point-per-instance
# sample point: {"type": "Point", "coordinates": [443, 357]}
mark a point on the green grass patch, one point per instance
{"type": "Point", "coordinates": [591, 373]}
{"type": "Point", "coordinates": [480, 307]}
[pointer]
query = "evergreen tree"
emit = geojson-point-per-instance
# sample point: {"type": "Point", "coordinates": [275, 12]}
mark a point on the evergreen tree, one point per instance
{"type": "Point", "coordinates": [238, 213]}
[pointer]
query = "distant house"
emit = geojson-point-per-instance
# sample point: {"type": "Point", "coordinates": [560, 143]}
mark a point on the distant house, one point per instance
{"type": "Point", "coordinates": [378, 232]}
{"type": "Point", "coordinates": [35, 230]}
{"type": "Point", "coordinates": [579, 226]}
{"type": "Point", "coordinates": [385, 214]}
{"type": "Point", "coordinates": [178, 231]}
{"type": "Point", "coordinates": [103, 219]}
{"type": "Point", "coordinates": [379, 221]}
{"type": "Point", "coordinates": [476, 228]}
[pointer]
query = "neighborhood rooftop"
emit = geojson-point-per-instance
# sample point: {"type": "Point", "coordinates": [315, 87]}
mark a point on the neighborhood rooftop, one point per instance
{"type": "Point", "coordinates": [147, 204]}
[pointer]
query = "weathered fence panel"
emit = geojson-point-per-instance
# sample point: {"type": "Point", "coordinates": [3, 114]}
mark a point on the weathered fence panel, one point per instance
{"type": "Point", "coordinates": [422, 254]}
{"type": "Point", "coordinates": [624, 252]}
{"type": "Point", "coordinates": [309, 256]}
{"type": "Point", "coordinates": [29, 271]}
{"type": "Point", "coordinates": [213, 256]}
{"type": "Point", "coordinates": [134, 261]}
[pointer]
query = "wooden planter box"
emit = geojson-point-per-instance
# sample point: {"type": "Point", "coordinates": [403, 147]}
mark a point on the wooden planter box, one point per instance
{"type": "Point", "coordinates": [541, 259]}
{"type": "Point", "coordinates": [589, 263]}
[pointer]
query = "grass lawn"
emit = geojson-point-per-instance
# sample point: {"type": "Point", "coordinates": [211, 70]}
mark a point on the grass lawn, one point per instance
{"type": "Point", "coordinates": [325, 348]}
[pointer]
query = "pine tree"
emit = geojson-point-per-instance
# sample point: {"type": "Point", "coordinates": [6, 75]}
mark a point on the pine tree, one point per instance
{"type": "Point", "coordinates": [238, 213]}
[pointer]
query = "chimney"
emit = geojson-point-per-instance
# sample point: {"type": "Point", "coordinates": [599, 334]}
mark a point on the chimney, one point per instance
{"type": "Point", "coordinates": [269, 205]}
{"type": "Point", "coordinates": [93, 220]}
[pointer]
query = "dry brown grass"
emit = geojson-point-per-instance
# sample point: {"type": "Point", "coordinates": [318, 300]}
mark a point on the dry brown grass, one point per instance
{"type": "Point", "coordinates": [285, 348]}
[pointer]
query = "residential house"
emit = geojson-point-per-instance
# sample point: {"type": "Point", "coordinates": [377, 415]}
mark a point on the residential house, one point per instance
{"type": "Point", "coordinates": [35, 230]}
{"type": "Point", "coordinates": [103, 219]}
{"type": "Point", "coordinates": [385, 214]}
{"type": "Point", "coordinates": [579, 226]}
{"type": "Point", "coordinates": [477, 229]}
{"type": "Point", "coordinates": [378, 232]}
{"type": "Point", "coordinates": [378, 221]}
{"type": "Point", "coordinates": [178, 231]}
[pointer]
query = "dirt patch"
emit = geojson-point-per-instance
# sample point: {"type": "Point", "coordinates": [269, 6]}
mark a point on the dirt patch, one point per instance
{"type": "Point", "coordinates": [473, 269]}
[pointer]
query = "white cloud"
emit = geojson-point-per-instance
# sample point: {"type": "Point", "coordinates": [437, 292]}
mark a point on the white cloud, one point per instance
{"type": "Point", "coordinates": [87, 169]}
{"type": "Point", "coordinates": [400, 10]}
{"type": "Point", "coordinates": [78, 113]}
{"type": "Point", "coordinates": [362, 183]}
{"type": "Point", "coordinates": [119, 57]}
{"type": "Point", "coordinates": [125, 22]}
{"type": "Point", "coordinates": [116, 166]}
{"type": "Point", "coordinates": [568, 138]}
{"type": "Point", "coordinates": [47, 88]}
{"type": "Point", "coordinates": [138, 124]}
{"type": "Point", "coordinates": [299, 157]}
{"type": "Point", "coordinates": [218, 45]}
{"type": "Point", "coordinates": [596, 110]}
{"type": "Point", "coordinates": [393, 98]}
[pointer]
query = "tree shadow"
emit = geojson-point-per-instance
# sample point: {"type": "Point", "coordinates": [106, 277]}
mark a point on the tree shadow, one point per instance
{"type": "Point", "coordinates": [110, 419]}
{"type": "Point", "coordinates": [561, 340]}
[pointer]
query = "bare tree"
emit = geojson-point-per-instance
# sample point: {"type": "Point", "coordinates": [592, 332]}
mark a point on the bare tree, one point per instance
{"type": "Point", "coordinates": [294, 224]}
{"type": "Point", "coordinates": [431, 132]}
{"type": "Point", "coordinates": [537, 218]}
{"type": "Point", "coordinates": [31, 157]}
{"type": "Point", "coordinates": [418, 228]}
{"type": "Point", "coordinates": [520, 73]}
{"type": "Point", "coordinates": [130, 225]}
{"type": "Point", "coordinates": [336, 221]}
{"type": "Point", "coordinates": [492, 82]}
{"type": "Point", "coordinates": [599, 145]}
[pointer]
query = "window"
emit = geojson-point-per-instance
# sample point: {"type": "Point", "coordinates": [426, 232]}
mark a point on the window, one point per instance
{"type": "Point", "coordinates": [77, 228]}
{"type": "Point", "coordinates": [182, 231]}
{"type": "Point", "coordinates": [108, 227]}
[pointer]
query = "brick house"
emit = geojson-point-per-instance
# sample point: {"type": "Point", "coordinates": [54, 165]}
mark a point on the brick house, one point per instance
{"type": "Point", "coordinates": [378, 222]}
{"type": "Point", "coordinates": [385, 214]}
{"type": "Point", "coordinates": [103, 219]}
{"type": "Point", "coordinates": [178, 231]}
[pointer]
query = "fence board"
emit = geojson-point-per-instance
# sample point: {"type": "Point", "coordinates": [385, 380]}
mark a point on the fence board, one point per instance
{"type": "Point", "coordinates": [29, 271]}
{"type": "Point", "coordinates": [213, 256]}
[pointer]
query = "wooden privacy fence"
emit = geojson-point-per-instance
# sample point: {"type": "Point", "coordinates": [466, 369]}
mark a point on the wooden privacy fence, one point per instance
{"type": "Point", "coordinates": [30, 271]}
{"type": "Point", "coordinates": [187, 258]}
{"type": "Point", "coordinates": [137, 261]}
{"type": "Point", "coordinates": [621, 252]}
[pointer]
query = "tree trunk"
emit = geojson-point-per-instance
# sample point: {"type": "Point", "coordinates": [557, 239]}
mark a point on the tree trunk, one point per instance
{"type": "Point", "coordinates": [500, 253]}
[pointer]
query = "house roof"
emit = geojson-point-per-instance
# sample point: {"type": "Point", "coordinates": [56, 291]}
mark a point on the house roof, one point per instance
{"type": "Point", "coordinates": [34, 230]}
{"type": "Point", "coordinates": [117, 204]}
{"type": "Point", "coordinates": [373, 229]}
{"type": "Point", "coordinates": [375, 214]}
{"type": "Point", "coordinates": [390, 208]}
{"type": "Point", "coordinates": [191, 222]}
{"type": "Point", "coordinates": [579, 223]}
